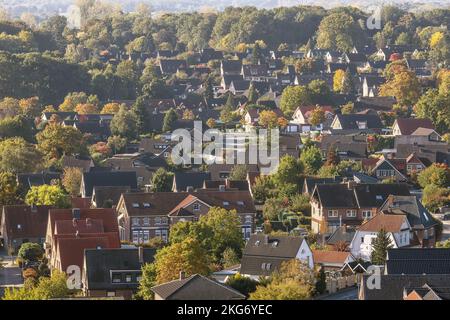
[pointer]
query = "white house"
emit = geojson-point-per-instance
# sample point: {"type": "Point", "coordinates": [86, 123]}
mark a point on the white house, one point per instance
{"type": "Point", "coordinates": [397, 227]}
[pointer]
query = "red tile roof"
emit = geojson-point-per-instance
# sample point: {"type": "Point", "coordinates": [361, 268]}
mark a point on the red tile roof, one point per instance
{"type": "Point", "coordinates": [409, 125]}
{"type": "Point", "coordinates": [388, 222]}
{"type": "Point", "coordinates": [326, 256]}
{"type": "Point", "coordinates": [20, 221]}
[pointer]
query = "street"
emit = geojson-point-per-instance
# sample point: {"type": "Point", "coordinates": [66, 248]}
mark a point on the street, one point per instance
{"type": "Point", "coordinates": [345, 294]}
{"type": "Point", "coordinates": [10, 274]}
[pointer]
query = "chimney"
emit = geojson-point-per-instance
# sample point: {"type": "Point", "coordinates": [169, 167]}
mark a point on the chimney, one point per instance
{"type": "Point", "coordinates": [141, 255]}
{"type": "Point", "coordinates": [182, 275]}
{"type": "Point", "coordinates": [33, 208]}
{"type": "Point", "coordinates": [350, 184]}
{"type": "Point", "coordinates": [88, 222]}
{"type": "Point", "coordinates": [266, 239]}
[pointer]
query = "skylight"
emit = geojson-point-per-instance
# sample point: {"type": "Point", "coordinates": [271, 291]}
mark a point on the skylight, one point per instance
{"type": "Point", "coordinates": [135, 205]}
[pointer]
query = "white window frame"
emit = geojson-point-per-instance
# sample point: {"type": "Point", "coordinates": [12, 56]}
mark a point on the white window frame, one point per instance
{"type": "Point", "coordinates": [333, 213]}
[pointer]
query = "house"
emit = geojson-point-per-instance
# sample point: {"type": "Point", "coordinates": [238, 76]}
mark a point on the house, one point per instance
{"type": "Point", "coordinates": [396, 226]}
{"type": "Point", "coordinates": [406, 126]}
{"type": "Point", "coordinates": [348, 203]}
{"type": "Point", "coordinates": [341, 237]}
{"type": "Point", "coordinates": [310, 183]}
{"type": "Point", "coordinates": [399, 286]}
{"type": "Point", "coordinates": [189, 181]}
{"type": "Point", "coordinates": [426, 292]}
{"type": "Point", "coordinates": [21, 224]}
{"type": "Point", "coordinates": [89, 180]}
{"type": "Point", "coordinates": [348, 147]}
{"type": "Point", "coordinates": [222, 171]}
{"type": "Point", "coordinates": [332, 260]}
{"type": "Point", "coordinates": [390, 169]}
{"type": "Point", "coordinates": [358, 122]}
{"type": "Point", "coordinates": [107, 196]}
{"type": "Point", "coordinates": [371, 85]}
{"type": "Point", "coordinates": [378, 104]}
{"type": "Point", "coordinates": [255, 72]}
{"type": "Point", "coordinates": [422, 222]}
{"type": "Point", "coordinates": [71, 231]}
{"type": "Point", "coordinates": [412, 261]}
{"type": "Point", "coordinates": [230, 67]}
{"type": "Point", "coordinates": [76, 162]}
{"type": "Point", "coordinates": [195, 287]}
{"type": "Point", "coordinates": [302, 115]}
{"type": "Point", "coordinates": [114, 272]}
{"type": "Point", "coordinates": [171, 66]}
{"type": "Point", "coordinates": [263, 254]}
{"type": "Point", "coordinates": [143, 216]}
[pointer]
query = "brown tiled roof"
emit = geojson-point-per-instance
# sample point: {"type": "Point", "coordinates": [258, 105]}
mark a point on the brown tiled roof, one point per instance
{"type": "Point", "coordinates": [388, 222]}
{"type": "Point", "coordinates": [409, 125]}
{"type": "Point", "coordinates": [84, 164]}
{"type": "Point", "coordinates": [22, 222]}
{"type": "Point", "coordinates": [80, 226]}
{"type": "Point", "coordinates": [79, 202]}
{"type": "Point", "coordinates": [326, 256]}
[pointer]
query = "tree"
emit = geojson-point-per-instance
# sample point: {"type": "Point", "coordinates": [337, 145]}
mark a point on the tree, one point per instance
{"type": "Point", "coordinates": [49, 195]}
{"type": "Point", "coordinates": [348, 86]}
{"type": "Point", "coordinates": [148, 280]}
{"type": "Point", "coordinates": [18, 126]}
{"type": "Point", "coordinates": [272, 208]}
{"type": "Point", "coordinates": [162, 181]}
{"type": "Point", "coordinates": [435, 197]}
{"type": "Point", "coordinates": [321, 284]}
{"type": "Point", "coordinates": [47, 288]}
{"type": "Point", "coordinates": [86, 108]}
{"type": "Point", "coordinates": [169, 119]}
{"type": "Point", "coordinates": [226, 114]}
{"type": "Point", "coordinates": [347, 108]}
{"type": "Point", "coordinates": [229, 258]}
{"type": "Point", "coordinates": [294, 281]}
{"type": "Point", "coordinates": [208, 94]}
{"type": "Point", "coordinates": [311, 157]}
{"type": "Point", "coordinates": [256, 53]}
{"type": "Point", "coordinates": [252, 94]}
{"type": "Point", "coordinates": [124, 124]}
{"type": "Point", "coordinates": [211, 123]}
{"type": "Point", "coordinates": [339, 31]}
{"type": "Point", "coordinates": [435, 105]}
{"type": "Point", "coordinates": [404, 87]}
{"type": "Point", "coordinates": [288, 171]}
{"type": "Point", "coordinates": [141, 115]}
{"type": "Point", "coordinates": [238, 172]}
{"type": "Point", "coordinates": [188, 115]}
{"type": "Point", "coordinates": [436, 174]}
{"type": "Point", "coordinates": [268, 119]}
{"type": "Point", "coordinates": [30, 252]}
{"type": "Point", "coordinates": [19, 156]}
{"type": "Point", "coordinates": [186, 256]}
{"type": "Point", "coordinates": [72, 100]}
{"type": "Point", "coordinates": [110, 108]}
{"type": "Point", "coordinates": [338, 80]}
{"type": "Point", "coordinates": [332, 156]}
{"type": "Point", "coordinates": [317, 116]}
{"type": "Point", "coordinates": [56, 140]}
{"type": "Point", "coordinates": [243, 284]}
{"type": "Point", "coordinates": [72, 180]}
{"type": "Point", "coordinates": [380, 246]}
{"type": "Point", "coordinates": [8, 188]}
{"type": "Point", "coordinates": [293, 97]}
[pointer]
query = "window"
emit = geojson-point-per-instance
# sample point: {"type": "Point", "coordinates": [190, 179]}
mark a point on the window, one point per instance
{"type": "Point", "coordinates": [367, 214]}
{"type": "Point", "coordinates": [351, 213]}
{"type": "Point", "coordinates": [332, 213]}
{"type": "Point", "coordinates": [164, 220]}
{"type": "Point", "coordinates": [240, 203]}
{"type": "Point", "coordinates": [196, 206]}
{"type": "Point", "coordinates": [158, 220]}
{"type": "Point", "coordinates": [226, 203]}
{"type": "Point", "coordinates": [128, 278]}
{"type": "Point", "coordinates": [19, 226]}
{"type": "Point", "coordinates": [116, 278]}
{"type": "Point", "coordinates": [146, 205]}
{"type": "Point", "coordinates": [135, 221]}
{"type": "Point", "coordinates": [146, 221]}
{"type": "Point", "coordinates": [248, 219]}
{"type": "Point", "coordinates": [268, 265]}
{"type": "Point", "coordinates": [135, 205]}
{"type": "Point", "coordinates": [110, 294]}
{"type": "Point", "coordinates": [263, 266]}
{"type": "Point", "coordinates": [135, 236]}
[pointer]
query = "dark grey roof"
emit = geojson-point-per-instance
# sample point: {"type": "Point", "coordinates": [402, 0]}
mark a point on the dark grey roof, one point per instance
{"type": "Point", "coordinates": [310, 183]}
{"type": "Point", "coordinates": [418, 216]}
{"type": "Point", "coordinates": [392, 287]}
{"type": "Point", "coordinates": [196, 287]}
{"type": "Point", "coordinates": [268, 251]}
{"type": "Point", "coordinates": [100, 262]}
{"type": "Point", "coordinates": [27, 180]}
{"type": "Point", "coordinates": [335, 196]}
{"type": "Point", "coordinates": [103, 194]}
{"type": "Point", "coordinates": [183, 180]}
{"type": "Point", "coordinates": [418, 261]}
{"type": "Point", "coordinates": [112, 178]}
{"type": "Point", "coordinates": [348, 121]}
{"type": "Point", "coordinates": [374, 195]}
{"type": "Point", "coordinates": [364, 178]}
{"type": "Point", "coordinates": [341, 234]}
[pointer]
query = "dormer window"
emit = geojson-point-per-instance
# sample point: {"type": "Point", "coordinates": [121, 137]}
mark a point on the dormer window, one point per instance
{"type": "Point", "coordinates": [257, 243]}
{"type": "Point", "coordinates": [361, 124]}
{"type": "Point", "coordinates": [146, 205]}
{"type": "Point", "coordinates": [274, 244]}
{"type": "Point", "coordinates": [240, 203]}
{"type": "Point", "coordinates": [135, 205]}
{"type": "Point", "coordinates": [196, 206]}
{"type": "Point", "coordinates": [226, 203]}
{"type": "Point", "coordinates": [378, 197]}
{"type": "Point", "coordinates": [19, 226]}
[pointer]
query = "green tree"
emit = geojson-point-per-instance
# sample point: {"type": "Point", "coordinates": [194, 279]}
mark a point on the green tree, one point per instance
{"type": "Point", "coordinates": [141, 115]}
{"type": "Point", "coordinates": [243, 284]}
{"type": "Point", "coordinates": [148, 280]}
{"type": "Point", "coordinates": [293, 97]}
{"type": "Point", "coordinates": [332, 156]}
{"type": "Point", "coordinates": [162, 181]}
{"type": "Point", "coordinates": [238, 172]}
{"type": "Point", "coordinates": [321, 284]}
{"type": "Point", "coordinates": [124, 124]}
{"type": "Point", "coordinates": [19, 156]}
{"type": "Point", "coordinates": [380, 246]}
{"type": "Point", "coordinates": [256, 53]}
{"type": "Point", "coordinates": [50, 195]}
{"type": "Point", "coordinates": [311, 157]}
{"type": "Point", "coordinates": [348, 86]}
{"type": "Point", "coordinates": [8, 188]}
{"type": "Point", "coordinates": [436, 174]}
{"type": "Point", "coordinates": [288, 171]}
{"type": "Point", "coordinates": [252, 94]}
{"type": "Point", "coordinates": [169, 119]}
{"type": "Point", "coordinates": [71, 180]}
{"type": "Point", "coordinates": [30, 252]}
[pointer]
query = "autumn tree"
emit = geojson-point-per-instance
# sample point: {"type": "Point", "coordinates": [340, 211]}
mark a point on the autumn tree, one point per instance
{"type": "Point", "coordinates": [187, 256]}
{"type": "Point", "coordinates": [169, 119]}
{"type": "Point", "coordinates": [268, 119]}
{"type": "Point", "coordinates": [71, 180]}
{"type": "Point", "coordinates": [332, 156]}
{"type": "Point", "coordinates": [148, 280]}
{"type": "Point", "coordinates": [404, 86]}
{"type": "Point", "coordinates": [317, 116]}
{"type": "Point", "coordinates": [57, 140]}
{"type": "Point", "coordinates": [293, 97]}
{"type": "Point", "coordinates": [8, 188]}
{"type": "Point", "coordinates": [110, 108]}
{"type": "Point", "coordinates": [211, 123]}
{"type": "Point", "coordinates": [338, 80]}
{"type": "Point", "coordinates": [348, 86]}
{"type": "Point", "coordinates": [86, 108]}
{"type": "Point", "coordinates": [30, 252]}
{"type": "Point", "coordinates": [49, 195]}
{"type": "Point", "coordinates": [124, 124]}
{"type": "Point", "coordinates": [238, 172]}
